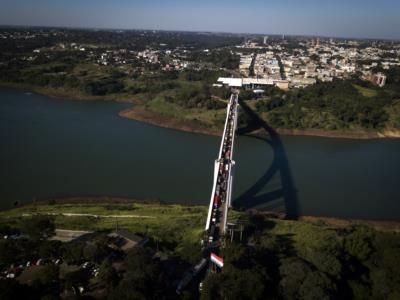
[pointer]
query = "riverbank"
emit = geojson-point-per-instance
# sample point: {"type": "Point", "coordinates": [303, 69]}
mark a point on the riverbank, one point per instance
{"type": "Point", "coordinates": [64, 94]}
{"type": "Point", "coordinates": [141, 114]}
{"type": "Point", "coordinates": [156, 119]}
{"type": "Point", "coordinates": [341, 134]}
{"type": "Point", "coordinates": [127, 209]}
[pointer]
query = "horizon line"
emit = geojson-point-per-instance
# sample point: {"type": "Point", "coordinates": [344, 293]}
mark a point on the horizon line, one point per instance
{"type": "Point", "coordinates": [198, 31]}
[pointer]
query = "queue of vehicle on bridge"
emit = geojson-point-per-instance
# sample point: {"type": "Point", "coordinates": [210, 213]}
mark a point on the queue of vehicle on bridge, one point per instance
{"type": "Point", "coordinates": [217, 221]}
{"type": "Point", "coordinates": [220, 199]}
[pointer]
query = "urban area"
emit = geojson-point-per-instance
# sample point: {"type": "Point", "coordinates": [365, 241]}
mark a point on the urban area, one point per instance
{"type": "Point", "coordinates": [213, 83]}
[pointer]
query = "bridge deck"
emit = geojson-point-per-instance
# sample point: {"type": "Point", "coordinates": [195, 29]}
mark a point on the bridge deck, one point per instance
{"type": "Point", "coordinates": [223, 175]}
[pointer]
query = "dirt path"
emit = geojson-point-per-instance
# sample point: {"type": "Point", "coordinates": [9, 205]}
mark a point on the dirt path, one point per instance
{"type": "Point", "coordinates": [93, 215]}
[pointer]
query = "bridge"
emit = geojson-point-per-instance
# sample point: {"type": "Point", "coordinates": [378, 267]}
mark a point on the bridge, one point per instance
{"type": "Point", "coordinates": [221, 195]}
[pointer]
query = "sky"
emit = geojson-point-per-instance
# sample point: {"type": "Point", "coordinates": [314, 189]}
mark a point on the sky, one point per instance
{"type": "Point", "coordinates": [336, 18]}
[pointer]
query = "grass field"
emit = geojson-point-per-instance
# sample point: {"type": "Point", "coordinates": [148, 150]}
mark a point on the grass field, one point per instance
{"type": "Point", "coordinates": [213, 118]}
{"type": "Point", "coordinates": [166, 222]}
{"type": "Point", "coordinates": [366, 92]}
{"type": "Point", "coordinates": [163, 221]}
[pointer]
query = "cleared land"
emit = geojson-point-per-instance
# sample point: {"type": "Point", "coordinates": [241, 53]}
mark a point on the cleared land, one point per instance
{"type": "Point", "coordinates": [169, 222]}
{"type": "Point", "coordinates": [366, 92]}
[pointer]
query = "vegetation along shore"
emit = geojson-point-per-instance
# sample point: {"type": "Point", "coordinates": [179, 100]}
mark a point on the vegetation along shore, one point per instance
{"type": "Point", "coordinates": [282, 256]}
{"type": "Point", "coordinates": [201, 121]}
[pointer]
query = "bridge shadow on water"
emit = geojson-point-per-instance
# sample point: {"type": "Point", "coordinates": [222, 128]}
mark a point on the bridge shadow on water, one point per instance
{"type": "Point", "coordinates": [251, 197]}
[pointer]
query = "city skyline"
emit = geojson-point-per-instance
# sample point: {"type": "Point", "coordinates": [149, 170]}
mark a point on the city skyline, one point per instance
{"type": "Point", "coordinates": [350, 19]}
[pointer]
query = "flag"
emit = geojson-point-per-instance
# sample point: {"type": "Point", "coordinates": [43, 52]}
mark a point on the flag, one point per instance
{"type": "Point", "coordinates": [219, 261]}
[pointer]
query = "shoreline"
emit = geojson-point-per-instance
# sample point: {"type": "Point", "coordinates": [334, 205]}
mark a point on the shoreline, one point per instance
{"type": "Point", "coordinates": [140, 114]}
{"type": "Point", "coordinates": [159, 120]}
{"type": "Point", "coordinates": [379, 225]}
{"type": "Point", "coordinates": [60, 94]}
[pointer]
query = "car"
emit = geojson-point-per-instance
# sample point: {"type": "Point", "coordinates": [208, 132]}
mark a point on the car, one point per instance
{"type": "Point", "coordinates": [39, 262]}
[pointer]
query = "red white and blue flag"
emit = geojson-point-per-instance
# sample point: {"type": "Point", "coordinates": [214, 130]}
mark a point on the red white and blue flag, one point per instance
{"type": "Point", "coordinates": [219, 261]}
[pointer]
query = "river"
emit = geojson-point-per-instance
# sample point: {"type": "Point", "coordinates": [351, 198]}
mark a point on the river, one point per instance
{"type": "Point", "coordinates": [56, 148]}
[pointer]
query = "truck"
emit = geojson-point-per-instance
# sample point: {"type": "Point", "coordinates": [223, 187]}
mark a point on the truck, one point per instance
{"type": "Point", "coordinates": [215, 200]}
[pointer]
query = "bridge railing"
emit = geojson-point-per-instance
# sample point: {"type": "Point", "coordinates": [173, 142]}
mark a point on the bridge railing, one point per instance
{"type": "Point", "coordinates": [228, 109]}
{"type": "Point", "coordinates": [228, 167]}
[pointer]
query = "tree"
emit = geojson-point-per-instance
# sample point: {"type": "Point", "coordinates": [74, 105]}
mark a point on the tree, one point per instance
{"type": "Point", "coordinates": [108, 275]}
{"type": "Point", "coordinates": [8, 251]}
{"type": "Point", "coordinates": [94, 252]}
{"type": "Point", "coordinates": [5, 230]}
{"type": "Point", "coordinates": [243, 284]}
{"type": "Point", "coordinates": [38, 226]}
{"type": "Point", "coordinates": [358, 243]}
{"type": "Point", "coordinates": [385, 275]}
{"type": "Point", "coordinates": [190, 252]}
{"type": "Point", "coordinates": [73, 252]}
{"type": "Point", "coordinates": [47, 275]}
{"type": "Point", "coordinates": [317, 286]}
{"type": "Point", "coordinates": [49, 249]}
{"type": "Point", "coordinates": [79, 277]}
{"type": "Point", "coordinates": [211, 288]}
{"type": "Point", "coordinates": [246, 94]}
{"type": "Point", "coordinates": [143, 279]}
{"type": "Point", "coordinates": [10, 289]}
{"type": "Point", "coordinates": [300, 281]}
{"type": "Point", "coordinates": [326, 262]}
{"type": "Point", "coordinates": [126, 291]}
{"type": "Point", "coordinates": [293, 272]}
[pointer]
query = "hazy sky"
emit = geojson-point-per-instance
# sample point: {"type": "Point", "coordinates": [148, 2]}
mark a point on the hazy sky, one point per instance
{"type": "Point", "coordinates": [346, 18]}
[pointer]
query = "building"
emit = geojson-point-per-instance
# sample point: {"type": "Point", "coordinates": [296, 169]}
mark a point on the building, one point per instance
{"type": "Point", "coordinates": [282, 84]}
{"type": "Point", "coordinates": [126, 240]}
{"type": "Point", "coordinates": [379, 79]}
{"type": "Point", "coordinates": [230, 82]}
{"type": "Point", "coordinates": [253, 83]}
